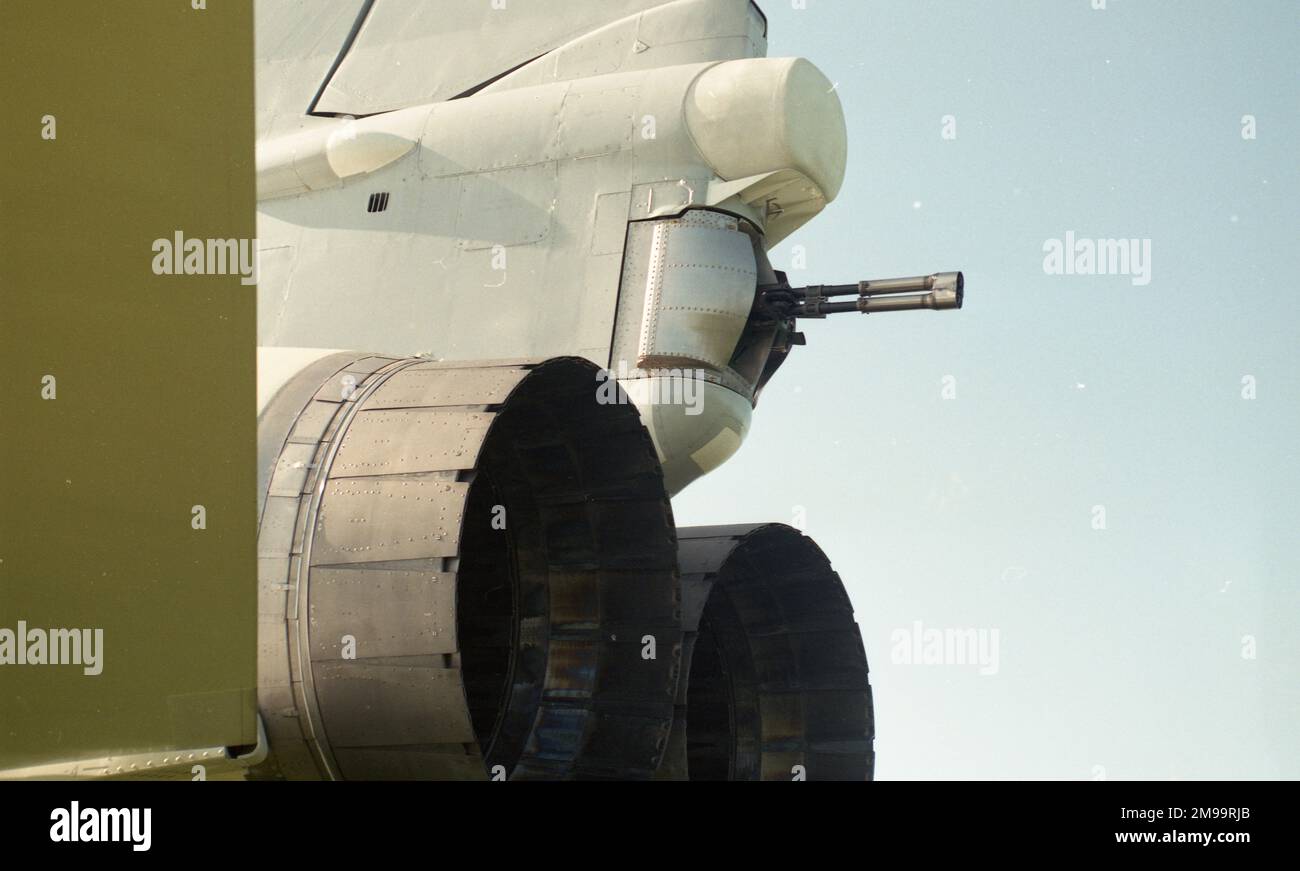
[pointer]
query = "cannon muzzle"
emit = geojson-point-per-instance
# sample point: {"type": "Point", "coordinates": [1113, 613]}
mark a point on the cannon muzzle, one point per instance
{"type": "Point", "coordinates": [943, 290]}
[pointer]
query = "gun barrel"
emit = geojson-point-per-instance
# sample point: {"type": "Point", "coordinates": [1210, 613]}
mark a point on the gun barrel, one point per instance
{"type": "Point", "coordinates": [883, 286]}
{"type": "Point", "coordinates": [940, 281]}
{"type": "Point", "coordinates": [943, 290]}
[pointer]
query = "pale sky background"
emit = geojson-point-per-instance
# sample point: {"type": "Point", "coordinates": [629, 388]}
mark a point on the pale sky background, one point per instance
{"type": "Point", "coordinates": [1120, 650]}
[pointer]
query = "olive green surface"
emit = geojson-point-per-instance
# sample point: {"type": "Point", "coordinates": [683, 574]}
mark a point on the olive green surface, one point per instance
{"type": "Point", "coordinates": [155, 405]}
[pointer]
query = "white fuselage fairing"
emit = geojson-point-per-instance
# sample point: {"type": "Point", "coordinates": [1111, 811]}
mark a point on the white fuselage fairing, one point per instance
{"type": "Point", "coordinates": [613, 199]}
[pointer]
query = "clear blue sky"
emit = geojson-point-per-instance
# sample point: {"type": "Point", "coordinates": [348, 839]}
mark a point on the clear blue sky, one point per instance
{"type": "Point", "coordinates": [1120, 650]}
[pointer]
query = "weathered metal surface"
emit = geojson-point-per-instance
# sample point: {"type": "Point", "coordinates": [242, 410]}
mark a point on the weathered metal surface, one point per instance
{"type": "Point", "coordinates": [775, 676]}
{"type": "Point", "coordinates": [699, 291]}
{"type": "Point", "coordinates": [377, 519]}
{"type": "Point", "coordinates": [396, 442]}
{"type": "Point", "coordinates": [422, 386]}
{"type": "Point", "coordinates": [384, 612]}
{"type": "Point", "coordinates": [367, 704]}
{"type": "Point", "coordinates": [404, 633]}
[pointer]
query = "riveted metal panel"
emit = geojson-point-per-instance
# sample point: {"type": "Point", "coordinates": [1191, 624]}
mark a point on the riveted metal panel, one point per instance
{"type": "Point", "coordinates": [699, 291]}
{"type": "Point", "coordinates": [609, 227]}
{"type": "Point", "coordinates": [517, 363]}
{"type": "Point", "coordinates": [366, 552]}
{"type": "Point", "coordinates": [388, 613]}
{"type": "Point", "coordinates": [342, 387]}
{"type": "Point", "coordinates": [367, 365]}
{"type": "Point", "coordinates": [276, 534]}
{"type": "Point", "coordinates": [272, 650]}
{"type": "Point", "coordinates": [417, 386]}
{"type": "Point", "coordinates": [291, 470]}
{"type": "Point", "coordinates": [595, 121]}
{"type": "Point", "coordinates": [284, 409]}
{"type": "Point", "coordinates": [505, 208]}
{"type": "Point", "coordinates": [367, 705]}
{"type": "Point", "coordinates": [397, 442]}
{"type": "Point", "coordinates": [429, 44]}
{"type": "Point", "coordinates": [312, 422]}
{"type": "Point", "coordinates": [270, 601]}
{"type": "Point", "coordinates": [314, 469]}
{"type": "Point", "coordinates": [372, 519]}
{"type": "Point", "coordinates": [273, 571]}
